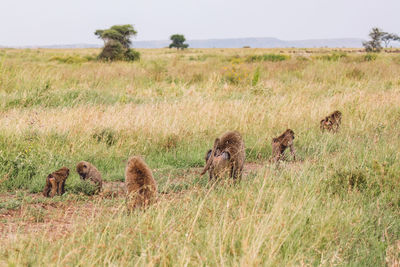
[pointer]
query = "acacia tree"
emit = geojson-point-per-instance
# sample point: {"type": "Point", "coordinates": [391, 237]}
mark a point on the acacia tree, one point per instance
{"type": "Point", "coordinates": [388, 37]}
{"type": "Point", "coordinates": [178, 41]}
{"type": "Point", "coordinates": [377, 37]}
{"type": "Point", "coordinates": [117, 42]}
{"type": "Point", "coordinates": [374, 45]}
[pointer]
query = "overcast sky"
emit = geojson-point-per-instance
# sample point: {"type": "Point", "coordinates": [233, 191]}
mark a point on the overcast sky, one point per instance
{"type": "Point", "coordinates": [47, 22]}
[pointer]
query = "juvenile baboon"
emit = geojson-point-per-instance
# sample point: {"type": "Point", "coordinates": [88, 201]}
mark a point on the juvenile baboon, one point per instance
{"type": "Point", "coordinates": [55, 182]}
{"type": "Point", "coordinates": [331, 122]}
{"type": "Point", "coordinates": [280, 143]}
{"type": "Point", "coordinates": [226, 156]}
{"type": "Point", "coordinates": [140, 184]}
{"type": "Point", "coordinates": [88, 171]}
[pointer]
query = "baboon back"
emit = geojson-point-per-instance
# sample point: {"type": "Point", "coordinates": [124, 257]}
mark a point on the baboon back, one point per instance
{"type": "Point", "coordinates": [140, 184]}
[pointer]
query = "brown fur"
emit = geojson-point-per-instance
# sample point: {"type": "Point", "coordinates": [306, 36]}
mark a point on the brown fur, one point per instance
{"type": "Point", "coordinates": [140, 184]}
{"type": "Point", "coordinates": [228, 155]}
{"type": "Point", "coordinates": [332, 122]}
{"type": "Point", "coordinates": [280, 143]}
{"type": "Point", "coordinates": [55, 182]}
{"type": "Point", "coordinates": [88, 171]}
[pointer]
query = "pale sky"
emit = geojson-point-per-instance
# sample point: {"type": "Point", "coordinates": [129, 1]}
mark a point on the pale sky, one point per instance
{"type": "Point", "coordinates": [48, 22]}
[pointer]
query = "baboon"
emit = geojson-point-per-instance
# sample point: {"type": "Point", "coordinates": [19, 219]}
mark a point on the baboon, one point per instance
{"type": "Point", "coordinates": [226, 156]}
{"type": "Point", "coordinates": [280, 143]}
{"type": "Point", "coordinates": [331, 122]}
{"type": "Point", "coordinates": [88, 171]}
{"type": "Point", "coordinates": [55, 182]}
{"type": "Point", "coordinates": [140, 184]}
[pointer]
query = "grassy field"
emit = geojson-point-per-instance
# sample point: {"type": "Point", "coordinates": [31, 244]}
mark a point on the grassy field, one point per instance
{"type": "Point", "coordinates": [337, 204]}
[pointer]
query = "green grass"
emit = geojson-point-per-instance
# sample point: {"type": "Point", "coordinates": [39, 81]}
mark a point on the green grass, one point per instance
{"type": "Point", "coordinates": [338, 204]}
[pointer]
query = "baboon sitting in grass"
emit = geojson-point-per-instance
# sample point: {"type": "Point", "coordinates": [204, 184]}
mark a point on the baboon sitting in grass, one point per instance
{"type": "Point", "coordinates": [88, 171]}
{"type": "Point", "coordinates": [55, 182]}
{"type": "Point", "coordinates": [280, 143]}
{"type": "Point", "coordinates": [332, 122]}
{"type": "Point", "coordinates": [226, 157]}
{"type": "Point", "coordinates": [140, 184]}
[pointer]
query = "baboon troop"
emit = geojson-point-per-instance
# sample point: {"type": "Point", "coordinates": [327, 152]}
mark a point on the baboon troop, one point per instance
{"type": "Point", "coordinates": [140, 184]}
{"type": "Point", "coordinates": [55, 182]}
{"type": "Point", "coordinates": [88, 171]}
{"type": "Point", "coordinates": [226, 156]}
{"type": "Point", "coordinates": [332, 122]}
{"type": "Point", "coordinates": [280, 143]}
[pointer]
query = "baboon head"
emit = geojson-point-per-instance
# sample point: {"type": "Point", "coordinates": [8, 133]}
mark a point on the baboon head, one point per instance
{"type": "Point", "coordinates": [289, 137]}
{"type": "Point", "coordinates": [65, 171]}
{"type": "Point", "coordinates": [82, 169]}
{"type": "Point", "coordinates": [337, 114]}
{"type": "Point", "coordinates": [220, 163]}
{"type": "Point", "coordinates": [289, 132]}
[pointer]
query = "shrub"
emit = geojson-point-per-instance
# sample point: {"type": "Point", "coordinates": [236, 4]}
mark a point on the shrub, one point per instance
{"type": "Point", "coordinates": [235, 75]}
{"type": "Point", "coordinates": [17, 169]}
{"type": "Point", "coordinates": [267, 57]}
{"type": "Point", "coordinates": [71, 59]}
{"type": "Point", "coordinates": [132, 55]}
{"type": "Point", "coordinates": [332, 57]}
{"type": "Point", "coordinates": [107, 136]}
{"type": "Point", "coordinates": [370, 57]}
{"type": "Point", "coordinates": [256, 77]}
{"type": "Point", "coordinates": [344, 181]}
{"type": "Point", "coordinates": [112, 51]}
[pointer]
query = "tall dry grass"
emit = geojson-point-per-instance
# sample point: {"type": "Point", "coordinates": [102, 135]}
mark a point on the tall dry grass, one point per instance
{"type": "Point", "coordinates": [337, 205]}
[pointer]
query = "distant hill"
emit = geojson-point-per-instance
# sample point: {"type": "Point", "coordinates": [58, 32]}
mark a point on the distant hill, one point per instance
{"type": "Point", "coordinates": [267, 42]}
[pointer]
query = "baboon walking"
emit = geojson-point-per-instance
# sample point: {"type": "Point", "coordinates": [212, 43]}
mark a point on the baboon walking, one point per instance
{"type": "Point", "coordinates": [226, 156]}
{"type": "Point", "coordinates": [55, 182]}
{"type": "Point", "coordinates": [280, 143]}
{"type": "Point", "coordinates": [332, 122]}
{"type": "Point", "coordinates": [140, 184]}
{"type": "Point", "coordinates": [87, 170]}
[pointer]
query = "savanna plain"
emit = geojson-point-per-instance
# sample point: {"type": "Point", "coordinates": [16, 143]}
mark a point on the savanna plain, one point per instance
{"type": "Point", "coordinates": [338, 203]}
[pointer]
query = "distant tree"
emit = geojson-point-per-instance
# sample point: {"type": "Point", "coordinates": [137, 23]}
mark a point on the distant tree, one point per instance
{"type": "Point", "coordinates": [178, 41]}
{"type": "Point", "coordinates": [388, 37]}
{"type": "Point", "coordinates": [117, 42]}
{"type": "Point", "coordinates": [374, 45]}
